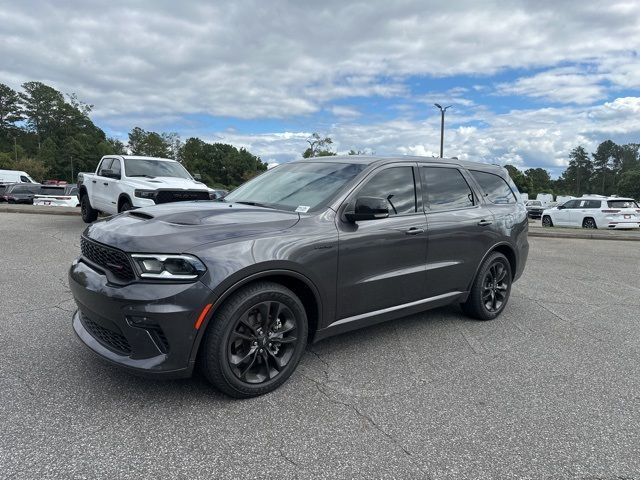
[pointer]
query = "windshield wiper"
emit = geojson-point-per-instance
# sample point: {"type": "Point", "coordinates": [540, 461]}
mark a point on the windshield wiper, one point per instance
{"type": "Point", "coordinates": [255, 204]}
{"type": "Point", "coordinates": [142, 175]}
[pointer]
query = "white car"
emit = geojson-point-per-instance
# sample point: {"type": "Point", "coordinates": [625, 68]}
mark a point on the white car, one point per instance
{"type": "Point", "coordinates": [594, 212]}
{"type": "Point", "coordinates": [57, 196]}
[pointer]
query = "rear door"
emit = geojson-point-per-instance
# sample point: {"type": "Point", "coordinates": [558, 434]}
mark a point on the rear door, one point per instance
{"type": "Point", "coordinates": [460, 229]}
{"type": "Point", "coordinates": [585, 209]}
{"type": "Point", "coordinates": [382, 262]}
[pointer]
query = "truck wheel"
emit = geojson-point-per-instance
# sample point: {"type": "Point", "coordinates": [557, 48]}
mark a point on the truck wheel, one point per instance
{"type": "Point", "coordinates": [88, 213]}
{"type": "Point", "coordinates": [255, 341]}
{"type": "Point", "coordinates": [126, 205]}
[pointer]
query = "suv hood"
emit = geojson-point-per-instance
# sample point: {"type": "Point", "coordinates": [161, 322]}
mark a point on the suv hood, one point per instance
{"type": "Point", "coordinates": [182, 226]}
{"type": "Point", "coordinates": [165, 182]}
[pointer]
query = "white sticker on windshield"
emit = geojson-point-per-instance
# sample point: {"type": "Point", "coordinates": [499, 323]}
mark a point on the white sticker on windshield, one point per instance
{"type": "Point", "coordinates": [302, 209]}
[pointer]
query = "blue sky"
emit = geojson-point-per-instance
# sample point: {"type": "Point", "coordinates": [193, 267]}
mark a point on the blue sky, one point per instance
{"type": "Point", "coordinates": [527, 80]}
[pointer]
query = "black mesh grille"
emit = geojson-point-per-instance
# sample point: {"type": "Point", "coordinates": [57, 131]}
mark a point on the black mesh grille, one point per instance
{"type": "Point", "coordinates": [160, 338]}
{"type": "Point", "coordinates": [166, 196]}
{"type": "Point", "coordinates": [113, 260]}
{"type": "Point", "coordinates": [109, 338]}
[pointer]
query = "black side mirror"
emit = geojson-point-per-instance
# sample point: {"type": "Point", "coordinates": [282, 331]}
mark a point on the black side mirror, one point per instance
{"type": "Point", "coordinates": [197, 177]}
{"type": "Point", "coordinates": [560, 207]}
{"type": "Point", "coordinates": [368, 208]}
{"type": "Point", "coordinates": [110, 174]}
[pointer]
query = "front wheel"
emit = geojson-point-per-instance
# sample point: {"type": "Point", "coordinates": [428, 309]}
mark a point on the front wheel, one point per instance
{"type": "Point", "coordinates": [88, 213]}
{"type": "Point", "coordinates": [546, 221]}
{"type": "Point", "coordinates": [491, 288]}
{"type": "Point", "coordinates": [255, 341]}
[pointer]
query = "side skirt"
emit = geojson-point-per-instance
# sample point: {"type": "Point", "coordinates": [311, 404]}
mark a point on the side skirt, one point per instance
{"type": "Point", "coordinates": [390, 313]}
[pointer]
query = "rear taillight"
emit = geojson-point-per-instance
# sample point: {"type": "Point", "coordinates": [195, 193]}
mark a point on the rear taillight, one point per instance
{"type": "Point", "coordinates": [610, 211]}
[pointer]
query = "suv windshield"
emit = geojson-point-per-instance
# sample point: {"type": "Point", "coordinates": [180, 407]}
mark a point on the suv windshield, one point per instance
{"type": "Point", "coordinates": [622, 204]}
{"type": "Point", "coordinates": [143, 167]}
{"type": "Point", "coordinates": [300, 186]}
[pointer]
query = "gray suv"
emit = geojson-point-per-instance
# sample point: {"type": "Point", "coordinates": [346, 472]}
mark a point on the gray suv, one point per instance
{"type": "Point", "coordinates": [307, 250]}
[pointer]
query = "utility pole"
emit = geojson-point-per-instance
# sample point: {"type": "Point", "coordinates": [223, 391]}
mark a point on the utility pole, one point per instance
{"type": "Point", "coordinates": [442, 111]}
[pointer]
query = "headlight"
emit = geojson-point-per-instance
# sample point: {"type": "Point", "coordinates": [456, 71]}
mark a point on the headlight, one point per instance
{"type": "Point", "coordinates": [168, 267]}
{"type": "Point", "coordinates": [149, 194]}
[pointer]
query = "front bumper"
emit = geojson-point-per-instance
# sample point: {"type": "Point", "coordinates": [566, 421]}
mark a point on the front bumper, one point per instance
{"type": "Point", "coordinates": [147, 328]}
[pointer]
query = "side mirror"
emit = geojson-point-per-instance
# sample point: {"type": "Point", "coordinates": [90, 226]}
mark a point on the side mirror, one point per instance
{"type": "Point", "coordinates": [368, 208]}
{"type": "Point", "coordinates": [197, 177]}
{"type": "Point", "coordinates": [560, 207]}
{"type": "Point", "coordinates": [110, 174]}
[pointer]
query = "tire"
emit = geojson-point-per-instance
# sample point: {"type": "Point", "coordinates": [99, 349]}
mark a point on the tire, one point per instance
{"type": "Point", "coordinates": [125, 206]}
{"type": "Point", "coordinates": [491, 288]}
{"type": "Point", "coordinates": [241, 355]}
{"type": "Point", "coordinates": [589, 223]}
{"type": "Point", "coordinates": [546, 221]}
{"type": "Point", "coordinates": [88, 213]}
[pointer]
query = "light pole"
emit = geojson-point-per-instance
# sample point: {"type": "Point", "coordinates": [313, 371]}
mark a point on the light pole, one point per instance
{"type": "Point", "coordinates": [442, 110]}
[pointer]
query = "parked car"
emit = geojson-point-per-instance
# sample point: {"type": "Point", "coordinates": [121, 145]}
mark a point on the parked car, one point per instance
{"type": "Point", "coordinates": [306, 250]}
{"type": "Point", "coordinates": [217, 194]}
{"type": "Point", "coordinates": [534, 208]}
{"type": "Point", "coordinates": [15, 176]}
{"type": "Point", "coordinates": [594, 212]}
{"type": "Point", "coordinates": [21, 192]}
{"type": "Point", "coordinates": [3, 188]}
{"type": "Point", "coordinates": [123, 183]}
{"type": "Point", "coordinates": [55, 182]}
{"type": "Point", "coordinates": [57, 196]}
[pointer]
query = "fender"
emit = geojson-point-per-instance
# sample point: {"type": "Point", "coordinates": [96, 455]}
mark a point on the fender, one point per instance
{"type": "Point", "coordinates": [484, 257]}
{"type": "Point", "coordinates": [233, 288]}
{"type": "Point", "coordinates": [121, 197]}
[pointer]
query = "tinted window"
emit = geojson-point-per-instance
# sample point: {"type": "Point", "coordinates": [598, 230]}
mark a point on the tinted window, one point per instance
{"type": "Point", "coordinates": [115, 166]}
{"type": "Point", "coordinates": [50, 190]}
{"type": "Point", "coordinates": [24, 179]}
{"type": "Point", "coordinates": [572, 204]}
{"type": "Point", "coordinates": [105, 165]}
{"type": "Point", "coordinates": [397, 186]}
{"type": "Point", "coordinates": [2, 189]}
{"type": "Point", "coordinates": [591, 204]}
{"type": "Point", "coordinates": [495, 188]}
{"type": "Point", "coordinates": [622, 204]}
{"type": "Point", "coordinates": [71, 191]}
{"type": "Point", "coordinates": [445, 189]}
{"type": "Point", "coordinates": [20, 190]}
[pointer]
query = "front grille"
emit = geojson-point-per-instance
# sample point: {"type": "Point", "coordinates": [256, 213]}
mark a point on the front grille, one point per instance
{"type": "Point", "coordinates": [159, 338]}
{"type": "Point", "coordinates": [113, 340]}
{"type": "Point", "coordinates": [113, 260]}
{"type": "Point", "coordinates": [166, 196]}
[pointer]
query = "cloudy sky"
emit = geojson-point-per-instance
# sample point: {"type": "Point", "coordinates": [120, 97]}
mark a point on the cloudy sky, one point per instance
{"type": "Point", "coordinates": [527, 80]}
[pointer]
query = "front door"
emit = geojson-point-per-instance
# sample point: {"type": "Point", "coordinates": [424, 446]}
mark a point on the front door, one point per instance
{"type": "Point", "coordinates": [563, 215]}
{"type": "Point", "coordinates": [381, 262]}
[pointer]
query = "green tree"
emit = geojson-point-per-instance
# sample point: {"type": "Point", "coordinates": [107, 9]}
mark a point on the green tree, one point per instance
{"type": "Point", "coordinates": [518, 178]}
{"type": "Point", "coordinates": [577, 177]}
{"type": "Point", "coordinates": [629, 184]}
{"type": "Point", "coordinates": [607, 161]}
{"type": "Point", "coordinates": [630, 154]}
{"type": "Point", "coordinates": [539, 180]}
{"type": "Point", "coordinates": [152, 144]}
{"type": "Point", "coordinates": [318, 147]}
{"type": "Point", "coordinates": [10, 111]}
{"type": "Point", "coordinates": [43, 106]}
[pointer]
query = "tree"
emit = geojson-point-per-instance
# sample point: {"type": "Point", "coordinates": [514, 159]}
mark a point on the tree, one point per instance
{"type": "Point", "coordinates": [518, 178]}
{"type": "Point", "coordinates": [153, 144]}
{"type": "Point", "coordinates": [629, 184]}
{"type": "Point", "coordinates": [577, 176]}
{"type": "Point", "coordinates": [538, 179]}
{"type": "Point", "coordinates": [318, 147]}
{"type": "Point", "coordinates": [42, 107]}
{"type": "Point", "coordinates": [607, 161]}
{"type": "Point", "coordinates": [10, 112]}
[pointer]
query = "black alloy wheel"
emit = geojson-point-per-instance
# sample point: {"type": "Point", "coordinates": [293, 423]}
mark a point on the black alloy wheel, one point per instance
{"type": "Point", "coordinates": [262, 342]}
{"type": "Point", "coordinates": [589, 223]}
{"type": "Point", "coordinates": [491, 288]}
{"type": "Point", "coordinates": [546, 221]}
{"type": "Point", "coordinates": [255, 340]}
{"type": "Point", "coordinates": [494, 288]}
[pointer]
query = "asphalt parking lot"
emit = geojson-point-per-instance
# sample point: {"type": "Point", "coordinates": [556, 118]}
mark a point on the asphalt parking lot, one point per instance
{"type": "Point", "coordinates": [551, 389]}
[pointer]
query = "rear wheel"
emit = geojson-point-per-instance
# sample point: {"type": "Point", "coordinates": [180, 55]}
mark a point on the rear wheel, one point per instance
{"type": "Point", "coordinates": [88, 213]}
{"type": "Point", "coordinates": [255, 341]}
{"type": "Point", "coordinates": [546, 221]}
{"type": "Point", "coordinates": [491, 288]}
{"type": "Point", "coordinates": [589, 223]}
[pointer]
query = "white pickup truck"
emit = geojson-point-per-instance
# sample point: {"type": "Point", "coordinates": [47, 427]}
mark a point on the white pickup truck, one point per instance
{"type": "Point", "coordinates": [124, 182]}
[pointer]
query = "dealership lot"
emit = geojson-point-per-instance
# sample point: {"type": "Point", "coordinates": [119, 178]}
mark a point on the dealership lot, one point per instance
{"type": "Point", "coordinates": [549, 389]}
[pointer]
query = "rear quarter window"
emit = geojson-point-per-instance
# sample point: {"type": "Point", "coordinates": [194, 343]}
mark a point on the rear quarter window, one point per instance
{"type": "Point", "coordinates": [622, 204]}
{"type": "Point", "coordinates": [495, 188]}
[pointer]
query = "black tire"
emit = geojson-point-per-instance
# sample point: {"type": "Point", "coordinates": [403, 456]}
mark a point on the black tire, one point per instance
{"type": "Point", "coordinates": [546, 221]}
{"type": "Point", "coordinates": [88, 213]}
{"type": "Point", "coordinates": [125, 206]}
{"type": "Point", "coordinates": [589, 223]}
{"type": "Point", "coordinates": [491, 288]}
{"type": "Point", "coordinates": [237, 354]}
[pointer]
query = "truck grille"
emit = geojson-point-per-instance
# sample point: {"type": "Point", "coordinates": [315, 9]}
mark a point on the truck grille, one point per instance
{"type": "Point", "coordinates": [111, 259]}
{"type": "Point", "coordinates": [166, 196]}
{"type": "Point", "coordinates": [112, 339]}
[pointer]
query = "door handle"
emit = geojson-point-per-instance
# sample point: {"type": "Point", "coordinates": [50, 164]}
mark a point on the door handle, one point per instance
{"type": "Point", "coordinates": [93, 181]}
{"type": "Point", "coordinates": [414, 231]}
{"type": "Point", "coordinates": [484, 223]}
{"type": "Point", "coordinates": [105, 183]}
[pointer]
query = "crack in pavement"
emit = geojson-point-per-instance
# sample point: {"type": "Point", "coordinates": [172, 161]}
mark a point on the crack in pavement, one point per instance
{"type": "Point", "coordinates": [370, 421]}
